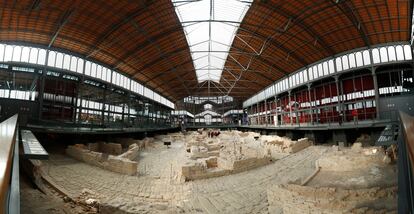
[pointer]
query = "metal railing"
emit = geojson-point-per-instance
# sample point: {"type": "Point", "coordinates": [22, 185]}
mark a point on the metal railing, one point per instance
{"type": "Point", "coordinates": [9, 166]}
{"type": "Point", "coordinates": [406, 164]}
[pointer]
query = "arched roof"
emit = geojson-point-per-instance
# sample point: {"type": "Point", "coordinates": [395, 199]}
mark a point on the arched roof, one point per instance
{"type": "Point", "coordinates": [142, 39]}
{"type": "Point", "coordinates": [145, 39]}
{"type": "Point", "coordinates": [278, 37]}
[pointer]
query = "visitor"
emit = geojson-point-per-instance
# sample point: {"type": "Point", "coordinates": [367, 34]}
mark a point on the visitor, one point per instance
{"type": "Point", "coordinates": [355, 115]}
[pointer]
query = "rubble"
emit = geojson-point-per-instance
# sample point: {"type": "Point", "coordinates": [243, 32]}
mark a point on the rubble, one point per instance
{"type": "Point", "coordinates": [212, 154]}
{"type": "Point", "coordinates": [346, 180]}
{"type": "Point", "coordinates": [293, 198]}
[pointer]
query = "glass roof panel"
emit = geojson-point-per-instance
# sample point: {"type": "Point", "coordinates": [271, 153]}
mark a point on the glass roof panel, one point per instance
{"type": "Point", "coordinates": [210, 27]}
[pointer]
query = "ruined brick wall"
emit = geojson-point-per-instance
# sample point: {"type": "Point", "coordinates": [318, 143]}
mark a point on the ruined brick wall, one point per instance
{"type": "Point", "coordinates": [292, 198]}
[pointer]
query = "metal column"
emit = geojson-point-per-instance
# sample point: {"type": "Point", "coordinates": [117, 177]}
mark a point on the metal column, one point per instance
{"type": "Point", "coordinates": [374, 77]}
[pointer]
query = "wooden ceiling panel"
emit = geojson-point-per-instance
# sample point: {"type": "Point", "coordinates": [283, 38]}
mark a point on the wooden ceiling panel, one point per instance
{"type": "Point", "coordinates": [310, 31]}
{"type": "Point", "coordinates": [144, 39]}
{"type": "Point", "coordinates": [126, 35]}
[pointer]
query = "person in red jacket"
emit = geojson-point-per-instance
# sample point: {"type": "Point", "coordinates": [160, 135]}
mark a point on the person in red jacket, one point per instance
{"type": "Point", "coordinates": [355, 115]}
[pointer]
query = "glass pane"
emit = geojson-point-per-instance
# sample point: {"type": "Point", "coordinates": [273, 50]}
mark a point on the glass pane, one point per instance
{"type": "Point", "coordinates": [345, 62]}
{"type": "Point", "coordinates": [407, 52]}
{"type": "Point", "coordinates": [391, 53]}
{"type": "Point", "coordinates": [41, 58]}
{"type": "Point", "coordinates": [310, 72]}
{"type": "Point", "coordinates": [325, 69]}
{"type": "Point", "coordinates": [2, 47]}
{"type": "Point", "coordinates": [52, 59]}
{"type": "Point", "coordinates": [338, 64]}
{"type": "Point", "coordinates": [320, 70]}
{"type": "Point", "coordinates": [73, 63]}
{"type": "Point", "coordinates": [315, 72]}
{"type": "Point", "coordinates": [104, 73]}
{"type": "Point", "coordinates": [352, 63]}
{"type": "Point", "coordinates": [66, 62]}
{"type": "Point", "coordinates": [108, 75]}
{"type": "Point", "coordinates": [367, 58]}
{"type": "Point", "coordinates": [400, 52]}
{"type": "Point", "coordinates": [376, 55]}
{"type": "Point", "coordinates": [25, 54]}
{"type": "Point", "coordinates": [331, 67]}
{"type": "Point", "coordinates": [59, 60]}
{"type": "Point", "coordinates": [79, 68]}
{"type": "Point", "coordinates": [8, 53]}
{"type": "Point", "coordinates": [359, 59]}
{"type": "Point", "coordinates": [99, 72]}
{"type": "Point", "coordinates": [384, 54]}
{"type": "Point", "coordinates": [88, 68]}
{"type": "Point", "coordinates": [305, 76]}
{"type": "Point", "coordinates": [17, 53]}
{"type": "Point", "coordinates": [93, 70]}
{"type": "Point", "coordinates": [211, 39]}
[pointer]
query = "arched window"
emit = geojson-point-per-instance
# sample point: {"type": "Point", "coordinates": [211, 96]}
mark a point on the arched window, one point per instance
{"type": "Point", "coordinates": [25, 54]}
{"type": "Point", "coordinates": [320, 70]}
{"type": "Point", "coordinates": [41, 57]}
{"type": "Point", "coordinates": [367, 57]}
{"type": "Point", "coordinates": [2, 49]}
{"type": "Point", "coordinates": [391, 53]}
{"type": "Point", "coordinates": [310, 72]}
{"type": "Point", "coordinates": [52, 59]}
{"type": "Point", "coordinates": [376, 56]}
{"type": "Point", "coordinates": [73, 63]}
{"type": "Point", "coordinates": [384, 54]}
{"type": "Point", "coordinates": [359, 59]}
{"type": "Point", "coordinates": [99, 71]}
{"type": "Point", "coordinates": [345, 63]}
{"type": "Point", "coordinates": [104, 70]}
{"type": "Point", "coordinates": [338, 64]}
{"type": "Point", "coordinates": [17, 53]}
{"type": "Point", "coordinates": [93, 70]}
{"type": "Point", "coordinates": [79, 68]}
{"type": "Point", "coordinates": [88, 68]}
{"type": "Point", "coordinates": [107, 73]}
{"type": "Point", "coordinates": [352, 63]}
{"type": "Point", "coordinates": [325, 68]}
{"type": "Point", "coordinates": [400, 52]}
{"type": "Point", "coordinates": [66, 62]}
{"type": "Point", "coordinates": [408, 53]}
{"type": "Point", "coordinates": [331, 66]}
{"type": "Point", "coordinates": [59, 60]}
{"type": "Point", "coordinates": [315, 72]}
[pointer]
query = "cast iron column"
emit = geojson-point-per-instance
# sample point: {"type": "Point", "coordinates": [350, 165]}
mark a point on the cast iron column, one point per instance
{"type": "Point", "coordinates": [374, 78]}
{"type": "Point", "coordinates": [290, 108]}
{"type": "Point", "coordinates": [310, 102]}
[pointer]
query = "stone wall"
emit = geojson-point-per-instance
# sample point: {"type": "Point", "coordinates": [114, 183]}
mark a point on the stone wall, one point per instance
{"type": "Point", "coordinates": [108, 148]}
{"type": "Point", "coordinates": [350, 159]}
{"type": "Point", "coordinates": [199, 170]}
{"type": "Point", "coordinates": [111, 148]}
{"type": "Point", "coordinates": [292, 198]}
{"type": "Point", "coordinates": [132, 153]}
{"type": "Point", "coordinates": [276, 145]}
{"type": "Point", "coordinates": [105, 161]}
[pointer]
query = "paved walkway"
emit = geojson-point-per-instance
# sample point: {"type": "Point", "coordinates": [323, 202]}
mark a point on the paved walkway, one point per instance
{"type": "Point", "coordinates": [157, 181]}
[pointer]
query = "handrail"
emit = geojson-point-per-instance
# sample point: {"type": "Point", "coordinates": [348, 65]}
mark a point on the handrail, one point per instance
{"type": "Point", "coordinates": [8, 133]}
{"type": "Point", "coordinates": [406, 164]}
{"type": "Point", "coordinates": [408, 131]}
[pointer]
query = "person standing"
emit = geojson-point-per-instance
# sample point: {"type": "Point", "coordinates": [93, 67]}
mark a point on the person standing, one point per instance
{"type": "Point", "coordinates": [355, 115]}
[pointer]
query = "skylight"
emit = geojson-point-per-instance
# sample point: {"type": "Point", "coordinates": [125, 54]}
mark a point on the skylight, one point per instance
{"type": "Point", "coordinates": [210, 27]}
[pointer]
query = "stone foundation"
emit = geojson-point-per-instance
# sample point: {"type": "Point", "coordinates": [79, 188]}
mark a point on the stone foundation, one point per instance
{"type": "Point", "coordinates": [350, 159]}
{"type": "Point", "coordinates": [276, 145]}
{"type": "Point", "coordinates": [292, 198]}
{"type": "Point", "coordinates": [109, 162]}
